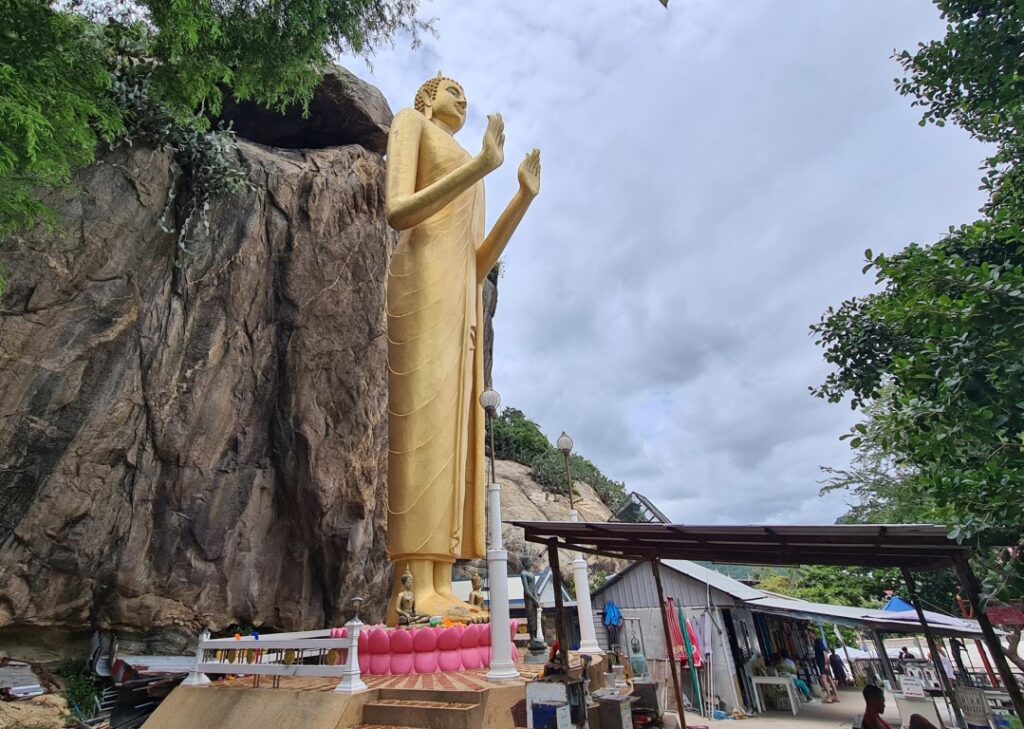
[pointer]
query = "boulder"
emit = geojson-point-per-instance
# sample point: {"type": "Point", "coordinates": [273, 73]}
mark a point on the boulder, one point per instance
{"type": "Point", "coordinates": [344, 110]}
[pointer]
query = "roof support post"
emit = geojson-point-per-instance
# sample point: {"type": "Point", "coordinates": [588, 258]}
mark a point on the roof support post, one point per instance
{"type": "Point", "coordinates": [556, 579]}
{"type": "Point", "coordinates": [947, 687]}
{"type": "Point", "coordinates": [656, 568]}
{"type": "Point", "coordinates": [883, 659]}
{"type": "Point", "coordinates": [969, 582]}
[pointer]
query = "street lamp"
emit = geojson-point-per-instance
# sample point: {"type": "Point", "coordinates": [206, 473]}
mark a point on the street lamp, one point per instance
{"type": "Point", "coordinates": [502, 668]}
{"type": "Point", "coordinates": [584, 610]}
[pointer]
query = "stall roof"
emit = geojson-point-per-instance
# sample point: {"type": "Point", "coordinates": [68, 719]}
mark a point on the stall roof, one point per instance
{"type": "Point", "coordinates": [859, 617]}
{"type": "Point", "coordinates": [915, 546]}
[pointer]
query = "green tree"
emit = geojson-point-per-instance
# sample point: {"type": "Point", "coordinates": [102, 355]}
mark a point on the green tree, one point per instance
{"type": "Point", "coordinates": [936, 356]}
{"type": "Point", "coordinates": [60, 68]}
{"type": "Point", "coordinates": [879, 486]}
{"type": "Point", "coordinates": [517, 438]}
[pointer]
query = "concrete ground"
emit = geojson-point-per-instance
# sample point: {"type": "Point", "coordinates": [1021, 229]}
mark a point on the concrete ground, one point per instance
{"type": "Point", "coordinates": [811, 716]}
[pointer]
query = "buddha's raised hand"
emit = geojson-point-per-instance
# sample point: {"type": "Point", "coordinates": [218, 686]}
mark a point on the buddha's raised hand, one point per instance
{"type": "Point", "coordinates": [493, 152]}
{"type": "Point", "coordinates": [529, 173]}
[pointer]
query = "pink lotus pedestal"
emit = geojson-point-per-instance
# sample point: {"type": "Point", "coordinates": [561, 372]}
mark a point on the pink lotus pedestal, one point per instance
{"type": "Point", "coordinates": [398, 652]}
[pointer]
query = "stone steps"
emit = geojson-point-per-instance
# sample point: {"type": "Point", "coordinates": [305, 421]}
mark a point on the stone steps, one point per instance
{"type": "Point", "coordinates": [423, 714]}
{"type": "Point", "coordinates": [412, 694]}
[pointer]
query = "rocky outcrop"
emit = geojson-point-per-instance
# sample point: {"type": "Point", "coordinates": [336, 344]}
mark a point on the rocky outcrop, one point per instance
{"type": "Point", "coordinates": [343, 110]}
{"type": "Point", "coordinates": [199, 439]}
{"type": "Point", "coordinates": [523, 499]}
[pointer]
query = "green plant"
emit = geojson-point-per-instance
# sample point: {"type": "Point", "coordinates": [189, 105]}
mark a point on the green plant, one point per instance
{"type": "Point", "coordinates": [55, 105]}
{"type": "Point", "coordinates": [61, 65]}
{"type": "Point", "coordinates": [935, 358]}
{"type": "Point", "coordinates": [208, 160]}
{"type": "Point", "coordinates": [81, 688]}
{"type": "Point", "coordinates": [517, 438]}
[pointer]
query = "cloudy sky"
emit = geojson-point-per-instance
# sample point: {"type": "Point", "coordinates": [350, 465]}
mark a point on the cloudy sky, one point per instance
{"type": "Point", "coordinates": [712, 175]}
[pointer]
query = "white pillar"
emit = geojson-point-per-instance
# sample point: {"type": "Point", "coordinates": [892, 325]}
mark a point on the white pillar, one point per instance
{"type": "Point", "coordinates": [195, 676]}
{"type": "Point", "coordinates": [502, 667]}
{"type": "Point", "coordinates": [584, 610]}
{"type": "Point", "coordinates": [351, 682]}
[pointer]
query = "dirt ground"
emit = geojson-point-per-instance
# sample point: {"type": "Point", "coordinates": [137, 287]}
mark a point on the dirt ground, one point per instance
{"type": "Point", "coordinates": [42, 712]}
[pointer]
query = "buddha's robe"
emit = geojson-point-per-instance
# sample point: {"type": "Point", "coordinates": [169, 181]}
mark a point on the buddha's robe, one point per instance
{"type": "Point", "coordinates": [435, 362]}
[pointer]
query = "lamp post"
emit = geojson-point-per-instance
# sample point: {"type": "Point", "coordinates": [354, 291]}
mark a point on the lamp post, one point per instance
{"type": "Point", "coordinates": [581, 576]}
{"type": "Point", "coordinates": [502, 668]}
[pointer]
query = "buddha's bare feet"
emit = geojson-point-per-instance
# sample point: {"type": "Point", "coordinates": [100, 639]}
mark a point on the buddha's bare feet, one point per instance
{"type": "Point", "coordinates": [433, 604]}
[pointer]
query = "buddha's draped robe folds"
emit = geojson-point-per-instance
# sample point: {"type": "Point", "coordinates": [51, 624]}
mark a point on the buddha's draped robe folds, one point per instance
{"type": "Point", "coordinates": [435, 361]}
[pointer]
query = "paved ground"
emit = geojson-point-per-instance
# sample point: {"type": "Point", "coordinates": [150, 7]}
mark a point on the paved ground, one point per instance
{"type": "Point", "coordinates": [811, 716]}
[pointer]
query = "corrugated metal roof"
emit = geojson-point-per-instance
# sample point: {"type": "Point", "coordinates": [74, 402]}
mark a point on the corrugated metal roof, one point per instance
{"type": "Point", "coordinates": [639, 591]}
{"type": "Point", "coordinates": [715, 578]}
{"type": "Point", "coordinates": [915, 546]}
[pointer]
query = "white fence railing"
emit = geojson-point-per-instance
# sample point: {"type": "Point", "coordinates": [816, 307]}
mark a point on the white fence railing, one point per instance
{"type": "Point", "coordinates": [306, 653]}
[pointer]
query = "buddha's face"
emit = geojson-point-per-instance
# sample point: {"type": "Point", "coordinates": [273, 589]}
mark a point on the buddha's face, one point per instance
{"type": "Point", "coordinates": [407, 582]}
{"type": "Point", "coordinates": [476, 582]}
{"type": "Point", "coordinates": [449, 105]}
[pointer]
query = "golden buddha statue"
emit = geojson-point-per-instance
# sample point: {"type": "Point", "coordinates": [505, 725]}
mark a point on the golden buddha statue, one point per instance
{"type": "Point", "coordinates": [405, 603]}
{"type": "Point", "coordinates": [476, 596]}
{"type": "Point", "coordinates": [435, 197]}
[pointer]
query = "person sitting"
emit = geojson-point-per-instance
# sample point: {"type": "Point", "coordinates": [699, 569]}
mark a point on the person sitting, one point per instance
{"type": "Point", "coordinates": [874, 707]}
{"type": "Point", "coordinates": [788, 665]}
{"type": "Point", "coordinates": [906, 655]}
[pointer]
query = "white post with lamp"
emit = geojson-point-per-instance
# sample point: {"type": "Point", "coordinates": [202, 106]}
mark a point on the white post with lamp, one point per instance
{"type": "Point", "coordinates": [502, 667]}
{"type": "Point", "coordinates": [581, 575]}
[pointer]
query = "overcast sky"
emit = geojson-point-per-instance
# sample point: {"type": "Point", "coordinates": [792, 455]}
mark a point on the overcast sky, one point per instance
{"type": "Point", "coordinates": [712, 174]}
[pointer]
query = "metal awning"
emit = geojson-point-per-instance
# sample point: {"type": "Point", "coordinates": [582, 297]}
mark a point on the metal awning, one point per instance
{"type": "Point", "coordinates": [919, 547]}
{"type": "Point", "coordinates": [859, 617]}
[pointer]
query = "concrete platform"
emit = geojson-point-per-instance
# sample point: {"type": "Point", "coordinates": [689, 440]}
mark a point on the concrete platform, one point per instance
{"type": "Point", "coordinates": [464, 700]}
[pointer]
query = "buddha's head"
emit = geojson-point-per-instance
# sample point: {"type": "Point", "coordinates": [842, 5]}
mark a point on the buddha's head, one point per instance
{"type": "Point", "coordinates": [475, 579]}
{"type": "Point", "coordinates": [407, 579]}
{"type": "Point", "coordinates": [442, 99]}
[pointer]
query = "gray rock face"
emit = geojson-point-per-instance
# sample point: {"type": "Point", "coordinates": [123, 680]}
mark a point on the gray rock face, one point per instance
{"type": "Point", "coordinates": [197, 440]}
{"type": "Point", "coordinates": [523, 499]}
{"type": "Point", "coordinates": [344, 110]}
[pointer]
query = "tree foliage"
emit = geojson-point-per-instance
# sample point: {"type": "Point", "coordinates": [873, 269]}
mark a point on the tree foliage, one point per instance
{"type": "Point", "coordinates": [79, 74]}
{"type": "Point", "coordinates": [517, 438]}
{"type": "Point", "coordinates": [936, 357]}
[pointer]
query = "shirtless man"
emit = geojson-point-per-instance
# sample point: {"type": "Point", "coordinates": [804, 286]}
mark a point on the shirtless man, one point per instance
{"type": "Point", "coordinates": [874, 707]}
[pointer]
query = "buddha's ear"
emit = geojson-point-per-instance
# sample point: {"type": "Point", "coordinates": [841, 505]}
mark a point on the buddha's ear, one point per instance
{"type": "Point", "coordinates": [428, 111]}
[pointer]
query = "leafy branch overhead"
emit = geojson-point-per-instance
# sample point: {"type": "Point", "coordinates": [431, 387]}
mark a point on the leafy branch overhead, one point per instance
{"type": "Point", "coordinates": [935, 358]}
{"type": "Point", "coordinates": [78, 75]}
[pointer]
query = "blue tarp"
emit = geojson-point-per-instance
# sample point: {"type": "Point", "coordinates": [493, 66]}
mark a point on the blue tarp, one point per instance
{"type": "Point", "coordinates": [897, 605]}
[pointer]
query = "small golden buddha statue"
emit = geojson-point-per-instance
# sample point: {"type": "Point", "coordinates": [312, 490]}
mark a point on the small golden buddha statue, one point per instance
{"type": "Point", "coordinates": [406, 603]}
{"type": "Point", "coordinates": [476, 597]}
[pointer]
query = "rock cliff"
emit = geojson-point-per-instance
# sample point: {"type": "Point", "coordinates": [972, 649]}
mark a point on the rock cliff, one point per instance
{"type": "Point", "coordinates": [198, 439]}
{"type": "Point", "coordinates": [523, 499]}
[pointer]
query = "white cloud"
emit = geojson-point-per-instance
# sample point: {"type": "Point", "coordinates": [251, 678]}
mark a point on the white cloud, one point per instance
{"type": "Point", "coordinates": [712, 176]}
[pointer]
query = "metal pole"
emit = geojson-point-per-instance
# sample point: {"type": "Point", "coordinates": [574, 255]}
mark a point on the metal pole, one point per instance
{"type": "Point", "coordinates": [656, 568]}
{"type": "Point", "coordinates": [883, 659]}
{"type": "Point", "coordinates": [947, 687]}
{"type": "Point", "coordinates": [568, 482]}
{"type": "Point", "coordinates": [490, 426]}
{"type": "Point", "coordinates": [968, 614]}
{"type": "Point", "coordinates": [970, 584]}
